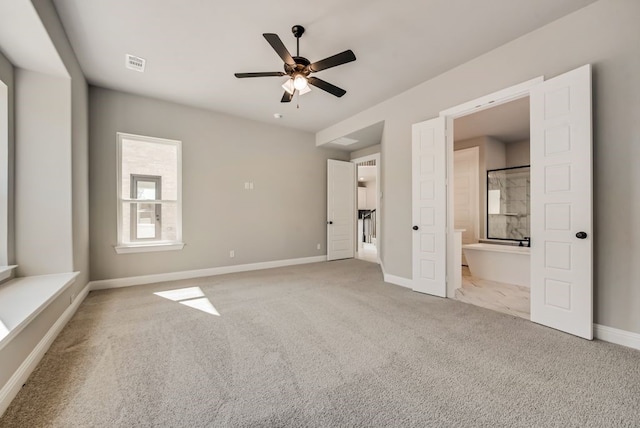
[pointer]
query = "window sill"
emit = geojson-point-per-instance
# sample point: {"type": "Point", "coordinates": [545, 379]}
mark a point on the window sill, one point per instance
{"type": "Point", "coordinates": [23, 299]}
{"type": "Point", "coordinates": [6, 272]}
{"type": "Point", "coordinates": [148, 248]}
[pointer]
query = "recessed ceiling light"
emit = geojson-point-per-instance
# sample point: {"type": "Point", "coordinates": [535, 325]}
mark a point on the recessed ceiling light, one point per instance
{"type": "Point", "coordinates": [361, 178]}
{"type": "Point", "coordinates": [277, 115]}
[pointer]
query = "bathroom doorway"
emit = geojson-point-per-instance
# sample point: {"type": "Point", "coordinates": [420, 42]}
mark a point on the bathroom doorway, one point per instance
{"type": "Point", "coordinates": [368, 212]}
{"type": "Point", "coordinates": [491, 206]}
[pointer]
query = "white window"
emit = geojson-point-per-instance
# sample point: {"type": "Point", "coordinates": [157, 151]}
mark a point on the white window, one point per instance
{"type": "Point", "coordinates": [149, 194]}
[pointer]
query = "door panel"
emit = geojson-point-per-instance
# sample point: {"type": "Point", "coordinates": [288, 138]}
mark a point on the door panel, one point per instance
{"type": "Point", "coordinates": [561, 203]}
{"type": "Point", "coordinates": [429, 207]}
{"type": "Point", "coordinates": [341, 209]}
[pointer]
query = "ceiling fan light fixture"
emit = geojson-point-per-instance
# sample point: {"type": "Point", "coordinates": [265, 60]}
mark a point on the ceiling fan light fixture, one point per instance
{"type": "Point", "coordinates": [288, 86]}
{"type": "Point", "coordinates": [300, 82]}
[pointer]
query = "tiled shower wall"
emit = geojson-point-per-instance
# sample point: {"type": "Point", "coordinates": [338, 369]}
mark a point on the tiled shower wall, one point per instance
{"type": "Point", "coordinates": [513, 222]}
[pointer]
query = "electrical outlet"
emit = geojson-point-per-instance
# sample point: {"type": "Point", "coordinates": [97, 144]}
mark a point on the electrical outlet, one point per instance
{"type": "Point", "coordinates": [246, 185]}
{"type": "Point", "coordinates": [232, 253]}
{"type": "Point", "coordinates": [251, 185]}
{"type": "Point", "coordinates": [318, 247]}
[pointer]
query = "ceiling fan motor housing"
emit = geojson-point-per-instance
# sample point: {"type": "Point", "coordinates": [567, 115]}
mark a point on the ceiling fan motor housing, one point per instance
{"type": "Point", "coordinates": [301, 67]}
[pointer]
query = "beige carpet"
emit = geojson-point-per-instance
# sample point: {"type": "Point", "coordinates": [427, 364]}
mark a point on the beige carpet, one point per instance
{"type": "Point", "coordinates": [326, 344]}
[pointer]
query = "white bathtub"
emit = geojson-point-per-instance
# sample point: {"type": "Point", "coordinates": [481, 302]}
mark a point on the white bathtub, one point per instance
{"type": "Point", "coordinates": [501, 263]}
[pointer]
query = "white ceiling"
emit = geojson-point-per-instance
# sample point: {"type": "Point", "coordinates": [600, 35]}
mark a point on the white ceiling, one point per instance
{"type": "Point", "coordinates": [193, 47]}
{"type": "Point", "coordinates": [508, 122]}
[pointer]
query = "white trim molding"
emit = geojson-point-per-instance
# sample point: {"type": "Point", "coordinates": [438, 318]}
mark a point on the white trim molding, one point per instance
{"type": "Point", "coordinates": [199, 273]}
{"type": "Point", "coordinates": [148, 248]}
{"type": "Point", "coordinates": [396, 280]}
{"type": "Point", "coordinates": [617, 336]}
{"type": "Point", "coordinates": [18, 379]}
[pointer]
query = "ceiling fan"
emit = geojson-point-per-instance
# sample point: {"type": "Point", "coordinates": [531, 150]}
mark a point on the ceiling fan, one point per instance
{"type": "Point", "coordinates": [299, 68]}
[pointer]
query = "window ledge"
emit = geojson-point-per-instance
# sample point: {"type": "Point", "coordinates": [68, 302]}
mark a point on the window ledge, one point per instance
{"type": "Point", "coordinates": [23, 299]}
{"type": "Point", "coordinates": [6, 272]}
{"type": "Point", "coordinates": [147, 248]}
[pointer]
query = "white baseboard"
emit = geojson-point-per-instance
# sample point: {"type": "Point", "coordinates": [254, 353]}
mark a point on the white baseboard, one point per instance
{"type": "Point", "coordinates": [15, 383]}
{"type": "Point", "coordinates": [199, 273]}
{"type": "Point", "coordinates": [617, 336]}
{"type": "Point", "coordinates": [396, 280]}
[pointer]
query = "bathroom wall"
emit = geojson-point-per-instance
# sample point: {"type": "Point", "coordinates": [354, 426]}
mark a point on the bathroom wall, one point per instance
{"type": "Point", "coordinates": [517, 154]}
{"type": "Point", "coordinates": [492, 155]}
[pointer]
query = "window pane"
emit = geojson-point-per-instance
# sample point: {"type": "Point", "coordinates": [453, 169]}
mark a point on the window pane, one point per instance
{"type": "Point", "coordinates": [147, 158]}
{"type": "Point", "coordinates": [146, 221]}
{"type": "Point", "coordinates": [169, 226]}
{"type": "Point", "coordinates": [149, 174]}
{"type": "Point", "coordinates": [145, 225]}
{"type": "Point", "coordinates": [146, 190]}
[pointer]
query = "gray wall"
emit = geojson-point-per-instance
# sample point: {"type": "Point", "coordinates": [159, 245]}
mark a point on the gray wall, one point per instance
{"type": "Point", "coordinates": [43, 174]}
{"type": "Point", "coordinates": [7, 77]}
{"type": "Point", "coordinates": [491, 155]}
{"type": "Point", "coordinates": [79, 140]}
{"type": "Point", "coordinates": [518, 154]}
{"type": "Point", "coordinates": [75, 191]}
{"type": "Point", "coordinates": [371, 150]}
{"type": "Point", "coordinates": [284, 217]}
{"type": "Point", "coordinates": [605, 34]}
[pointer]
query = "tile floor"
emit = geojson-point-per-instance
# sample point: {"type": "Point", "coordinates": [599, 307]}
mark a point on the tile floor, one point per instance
{"type": "Point", "coordinates": [506, 298]}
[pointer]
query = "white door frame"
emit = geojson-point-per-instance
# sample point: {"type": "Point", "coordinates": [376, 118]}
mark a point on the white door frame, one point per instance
{"type": "Point", "coordinates": [475, 153]}
{"type": "Point", "coordinates": [500, 97]}
{"type": "Point", "coordinates": [376, 157]}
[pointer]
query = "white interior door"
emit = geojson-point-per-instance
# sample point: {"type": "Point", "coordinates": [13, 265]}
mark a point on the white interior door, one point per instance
{"type": "Point", "coordinates": [341, 209]}
{"type": "Point", "coordinates": [465, 194]}
{"type": "Point", "coordinates": [561, 203]}
{"type": "Point", "coordinates": [429, 207]}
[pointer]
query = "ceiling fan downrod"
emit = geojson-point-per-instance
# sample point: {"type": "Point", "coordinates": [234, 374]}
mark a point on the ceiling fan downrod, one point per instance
{"type": "Point", "coordinates": [298, 31]}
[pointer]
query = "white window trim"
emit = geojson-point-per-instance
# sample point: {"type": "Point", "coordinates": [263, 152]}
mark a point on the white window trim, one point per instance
{"type": "Point", "coordinates": [138, 247]}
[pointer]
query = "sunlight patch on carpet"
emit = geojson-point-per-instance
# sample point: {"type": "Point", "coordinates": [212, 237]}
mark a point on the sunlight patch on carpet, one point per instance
{"type": "Point", "coordinates": [191, 296]}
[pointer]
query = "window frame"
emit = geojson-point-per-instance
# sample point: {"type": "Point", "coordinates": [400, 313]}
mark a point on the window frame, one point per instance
{"type": "Point", "coordinates": [147, 245]}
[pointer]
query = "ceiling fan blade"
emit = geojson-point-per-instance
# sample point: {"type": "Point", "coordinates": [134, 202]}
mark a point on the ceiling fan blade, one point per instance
{"type": "Point", "coordinates": [260, 74]}
{"type": "Point", "coordinates": [280, 48]}
{"type": "Point", "coordinates": [326, 86]}
{"type": "Point", "coordinates": [287, 97]}
{"type": "Point", "coordinates": [333, 61]}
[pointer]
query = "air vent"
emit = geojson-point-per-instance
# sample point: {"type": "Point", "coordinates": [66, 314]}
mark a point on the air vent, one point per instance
{"type": "Point", "coordinates": [344, 141]}
{"type": "Point", "coordinates": [135, 63]}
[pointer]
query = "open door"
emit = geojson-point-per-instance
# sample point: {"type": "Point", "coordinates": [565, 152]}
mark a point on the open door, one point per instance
{"type": "Point", "coordinates": [341, 209]}
{"type": "Point", "coordinates": [429, 207]}
{"type": "Point", "coordinates": [561, 203]}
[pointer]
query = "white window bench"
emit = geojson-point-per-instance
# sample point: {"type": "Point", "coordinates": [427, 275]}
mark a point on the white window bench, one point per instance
{"type": "Point", "coordinates": [23, 299]}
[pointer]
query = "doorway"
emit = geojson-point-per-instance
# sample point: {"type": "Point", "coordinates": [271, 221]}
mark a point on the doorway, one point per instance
{"type": "Point", "coordinates": [561, 257]}
{"type": "Point", "coordinates": [491, 182]}
{"type": "Point", "coordinates": [367, 204]}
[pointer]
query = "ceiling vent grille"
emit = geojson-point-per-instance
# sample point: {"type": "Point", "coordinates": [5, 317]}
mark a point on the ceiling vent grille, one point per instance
{"type": "Point", "coordinates": [135, 63]}
{"type": "Point", "coordinates": [344, 141]}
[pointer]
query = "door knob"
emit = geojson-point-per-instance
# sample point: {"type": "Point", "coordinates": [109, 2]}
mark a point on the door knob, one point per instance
{"type": "Point", "coordinates": [329, 222]}
{"type": "Point", "coordinates": [581, 235]}
{"type": "Point", "coordinates": [415, 228]}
